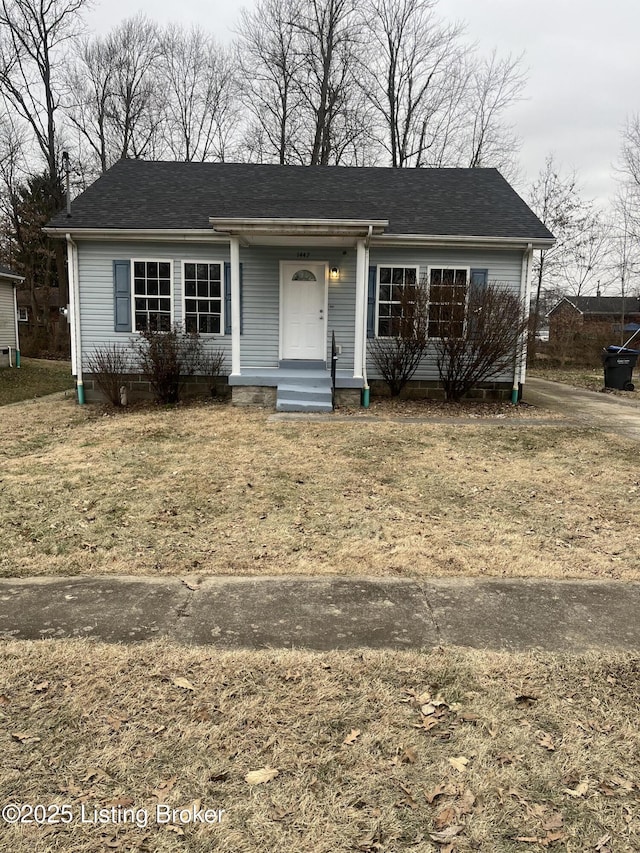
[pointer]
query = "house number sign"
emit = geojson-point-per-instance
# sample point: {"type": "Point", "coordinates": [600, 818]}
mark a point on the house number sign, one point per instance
{"type": "Point", "coordinates": [303, 255]}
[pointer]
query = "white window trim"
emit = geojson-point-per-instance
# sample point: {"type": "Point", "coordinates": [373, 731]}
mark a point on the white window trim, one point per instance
{"type": "Point", "coordinates": [466, 299]}
{"type": "Point", "coordinates": [155, 260]}
{"type": "Point", "coordinates": [415, 267]}
{"type": "Point", "coordinates": [219, 334]}
{"type": "Point", "coordinates": [23, 314]}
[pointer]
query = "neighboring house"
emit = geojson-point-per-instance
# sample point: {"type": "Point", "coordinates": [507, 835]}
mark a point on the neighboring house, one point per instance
{"type": "Point", "coordinates": [48, 305]}
{"type": "Point", "coordinates": [591, 316]}
{"type": "Point", "coordinates": [9, 337]}
{"type": "Point", "coordinates": [268, 262]}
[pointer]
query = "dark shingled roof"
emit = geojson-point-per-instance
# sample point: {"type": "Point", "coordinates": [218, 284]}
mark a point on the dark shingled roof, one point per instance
{"type": "Point", "coordinates": [6, 271]}
{"type": "Point", "coordinates": [602, 304]}
{"type": "Point", "coordinates": [136, 194]}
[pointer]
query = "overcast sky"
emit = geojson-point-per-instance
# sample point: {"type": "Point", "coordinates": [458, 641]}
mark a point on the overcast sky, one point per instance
{"type": "Point", "coordinates": [582, 56]}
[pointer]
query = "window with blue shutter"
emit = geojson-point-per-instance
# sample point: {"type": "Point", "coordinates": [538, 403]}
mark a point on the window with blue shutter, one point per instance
{"type": "Point", "coordinates": [227, 299]}
{"type": "Point", "coordinates": [122, 296]}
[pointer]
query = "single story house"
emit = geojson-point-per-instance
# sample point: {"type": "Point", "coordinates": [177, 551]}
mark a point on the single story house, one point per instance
{"type": "Point", "coordinates": [9, 337]}
{"type": "Point", "coordinates": [592, 315]}
{"type": "Point", "coordinates": [272, 263]}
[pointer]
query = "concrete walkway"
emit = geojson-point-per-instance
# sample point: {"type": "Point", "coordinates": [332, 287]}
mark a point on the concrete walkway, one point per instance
{"type": "Point", "coordinates": [592, 408]}
{"type": "Point", "coordinates": [327, 613]}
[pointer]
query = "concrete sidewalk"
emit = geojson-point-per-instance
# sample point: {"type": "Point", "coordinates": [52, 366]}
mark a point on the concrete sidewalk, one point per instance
{"type": "Point", "coordinates": [328, 613]}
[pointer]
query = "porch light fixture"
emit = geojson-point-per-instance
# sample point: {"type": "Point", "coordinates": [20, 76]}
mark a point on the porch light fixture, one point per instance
{"type": "Point", "coordinates": [334, 273]}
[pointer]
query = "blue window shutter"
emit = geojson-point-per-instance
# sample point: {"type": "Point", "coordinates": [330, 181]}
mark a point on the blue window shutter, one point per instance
{"type": "Point", "coordinates": [122, 296]}
{"type": "Point", "coordinates": [227, 299]}
{"type": "Point", "coordinates": [478, 281]}
{"type": "Point", "coordinates": [371, 303]}
{"type": "Point", "coordinates": [479, 278]}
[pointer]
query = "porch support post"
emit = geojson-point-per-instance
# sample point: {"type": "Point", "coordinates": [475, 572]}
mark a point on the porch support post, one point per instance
{"type": "Point", "coordinates": [235, 305]}
{"type": "Point", "coordinates": [361, 301]}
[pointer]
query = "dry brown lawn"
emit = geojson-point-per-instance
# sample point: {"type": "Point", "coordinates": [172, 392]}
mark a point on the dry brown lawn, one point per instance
{"type": "Point", "coordinates": [215, 490]}
{"type": "Point", "coordinates": [374, 751]}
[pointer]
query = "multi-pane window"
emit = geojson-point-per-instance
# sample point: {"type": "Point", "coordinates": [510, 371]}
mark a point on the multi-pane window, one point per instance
{"type": "Point", "coordinates": [395, 287]}
{"type": "Point", "coordinates": [152, 295]}
{"type": "Point", "coordinates": [203, 298]}
{"type": "Point", "coordinates": [447, 302]}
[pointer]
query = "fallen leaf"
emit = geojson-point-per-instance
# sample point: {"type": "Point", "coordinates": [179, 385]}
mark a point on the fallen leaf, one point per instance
{"type": "Point", "coordinates": [184, 683]}
{"type": "Point", "coordinates": [177, 829]}
{"type": "Point", "coordinates": [465, 804]}
{"type": "Point", "coordinates": [353, 735]}
{"type": "Point", "coordinates": [41, 687]}
{"type": "Point", "coordinates": [547, 742]}
{"type": "Point", "coordinates": [459, 763]}
{"type": "Point", "coordinates": [24, 737]}
{"type": "Point", "coordinates": [409, 756]}
{"type": "Point", "coordinates": [444, 818]}
{"type": "Point", "coordinates": [193, 585]}
{"type": "Point", "coordinates": [258, 777]}
{"type": "Point", "coordinates": [438, 791]}
{"type": "Point", "coordinates": [554, 821]}
{"type": "Point", "coordinates": [526, 700]}
{"type": "Point", "coordinates": [580, 791]}
{"type": "Point", "coordinates": [447, 834]}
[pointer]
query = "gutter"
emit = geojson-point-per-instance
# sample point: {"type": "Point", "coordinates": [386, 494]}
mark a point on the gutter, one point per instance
{"type": "Point", "coordinates": [74, 311]}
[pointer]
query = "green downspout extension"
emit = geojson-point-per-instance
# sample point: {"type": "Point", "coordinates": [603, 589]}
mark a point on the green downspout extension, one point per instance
{"type": "Point", "coordinates": [80, 390]}
{"type": "Point", "coordinates": [514, 396]}
{"type": "Point", "coordinates": [17, 358]}
{"type": "Point", "coordinates": [365, 397]}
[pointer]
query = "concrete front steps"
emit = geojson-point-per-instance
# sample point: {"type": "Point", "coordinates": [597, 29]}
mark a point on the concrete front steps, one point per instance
{"type": "Point", "coordinates": [304, 388]}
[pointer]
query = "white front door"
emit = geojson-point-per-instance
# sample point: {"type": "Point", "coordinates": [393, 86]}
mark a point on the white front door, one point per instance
{"type": "Point", "coordinates": [303, 317]}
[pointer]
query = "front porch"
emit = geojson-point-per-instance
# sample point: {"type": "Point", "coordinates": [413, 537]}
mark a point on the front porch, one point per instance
{"type": "Point", "coordinates": [302, 387]}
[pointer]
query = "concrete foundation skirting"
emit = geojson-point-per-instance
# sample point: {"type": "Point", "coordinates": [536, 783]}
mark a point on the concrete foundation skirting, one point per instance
{"type": "Point", "coordinates": [254, 395]}
{"type": "Point", "coordinates": [139, 388]}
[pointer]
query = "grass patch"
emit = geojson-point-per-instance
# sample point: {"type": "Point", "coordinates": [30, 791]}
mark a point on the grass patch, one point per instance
{"type": "Point", "coordinates": [35, 378]}
{"type": "Point", "coordinates": [211, 489]}
{"type": "Point", "coordinates": [374, 750]}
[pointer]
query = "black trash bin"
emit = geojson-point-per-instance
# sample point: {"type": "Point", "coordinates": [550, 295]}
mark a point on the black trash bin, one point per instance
{"type": "Point", "coordinates": [618, 367]}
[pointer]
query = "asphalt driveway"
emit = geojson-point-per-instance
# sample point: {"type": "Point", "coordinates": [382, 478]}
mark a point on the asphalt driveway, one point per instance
{"type": "Point", "coordinates": [597, 409]}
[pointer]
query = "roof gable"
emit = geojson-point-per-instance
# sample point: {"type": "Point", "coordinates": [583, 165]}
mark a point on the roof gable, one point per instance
{"type": "Point", "coordinates": [139, 195]}
{"type": "Point", "coordinates": [613, 305]}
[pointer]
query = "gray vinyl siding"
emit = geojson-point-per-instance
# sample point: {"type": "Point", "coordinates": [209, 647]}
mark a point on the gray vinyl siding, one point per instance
{"type": "Point", "coordinates": [7, 316]}
{"type": "Point", "coordinates": [504, 267]}
{"type": "Point", "coordinates": [95, 265]}
{"type": "Point", "coordinates": [260, 341]}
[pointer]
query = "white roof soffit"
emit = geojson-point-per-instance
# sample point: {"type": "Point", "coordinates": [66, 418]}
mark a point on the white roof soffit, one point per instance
{"type": "Point", "coordinates": [298, 227]}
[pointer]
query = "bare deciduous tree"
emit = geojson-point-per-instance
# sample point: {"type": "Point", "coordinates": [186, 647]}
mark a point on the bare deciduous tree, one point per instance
{"type": "Point", "coordinates": [269, 63]}
{"type": "Point", "coordinates": [412, 77]}
{"type": "Point", "coordinates": [200, 83]}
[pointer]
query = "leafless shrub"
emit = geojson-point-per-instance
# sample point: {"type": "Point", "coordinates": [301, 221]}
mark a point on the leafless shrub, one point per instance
{"type": "Point", "coordinates": [480, 342]}
{"type": "Point", "coordinates": [167, 359]}
{"type": "Point", "coordinates": [109, 366]}
{"type": "Point", "coordinates": [398, 357]}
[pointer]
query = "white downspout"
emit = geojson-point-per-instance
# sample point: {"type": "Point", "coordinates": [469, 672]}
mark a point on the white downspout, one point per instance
{"type": "Point", "coordinates": [521, 360]}
{"type": "Point", "coordinates": [15, 320]}
{"type": "Point", "coordinates": [365, 378]}
{"type": "Point", "coordinates": [74, 312]}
